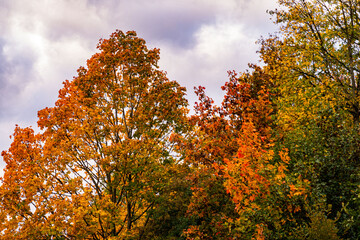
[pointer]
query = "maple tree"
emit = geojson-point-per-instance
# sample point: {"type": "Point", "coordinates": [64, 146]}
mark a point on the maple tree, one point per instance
{"type": "Point", "coordinates": [253, 177]}
{"type": "Point", "coordinates": [241, 187]}
{"type": "Point", "coordinates": [102, 161]}
{"type": "Point", "coordinates": [214, 139]}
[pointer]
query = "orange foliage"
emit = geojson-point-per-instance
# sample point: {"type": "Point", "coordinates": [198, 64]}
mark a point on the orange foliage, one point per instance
{"type": "Point", "coordinates": [100, 164]}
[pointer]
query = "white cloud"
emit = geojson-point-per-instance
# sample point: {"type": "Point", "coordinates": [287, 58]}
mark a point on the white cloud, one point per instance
{"type": "Point", "coordinates": [224, 45]}
{"type": "Point", "coordinates": [43, 43]}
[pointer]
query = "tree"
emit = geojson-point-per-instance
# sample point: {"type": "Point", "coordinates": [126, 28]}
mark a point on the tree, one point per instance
{"type": "Point", "coordinates": [320, 46]}
{"type": "Point", "coordinates": [241, 186]}
{"type": "Point", "coordinates": [268, 198]}
{"type": "Point", "coordinates": [313, 62]}
{"type": "Point", "coordinates": [101, 161]}
{"type": "Point", "coordinates": [213, 140]}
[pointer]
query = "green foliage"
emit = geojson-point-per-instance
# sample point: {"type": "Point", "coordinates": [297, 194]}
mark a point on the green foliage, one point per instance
{"type": "Point", "coordinates": [311, 63]}
{"type": "Point", "coordinates": [320, 226]}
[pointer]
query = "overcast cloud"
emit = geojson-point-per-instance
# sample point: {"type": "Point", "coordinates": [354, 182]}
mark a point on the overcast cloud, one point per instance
{"type": "Point", "coordinates": [43, 42]}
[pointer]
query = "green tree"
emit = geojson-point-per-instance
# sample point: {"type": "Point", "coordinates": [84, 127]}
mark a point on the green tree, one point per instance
{"type": "Point", "coordinates": [320, 47]}
{"type": "Point", "coordinates": [313, 62]}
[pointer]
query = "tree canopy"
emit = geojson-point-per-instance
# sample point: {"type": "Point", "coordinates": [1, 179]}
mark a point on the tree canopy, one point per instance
{"type": "Point", "coordinates": [104, 152]}
{"type": "Point", "coordinates": [120, 157]}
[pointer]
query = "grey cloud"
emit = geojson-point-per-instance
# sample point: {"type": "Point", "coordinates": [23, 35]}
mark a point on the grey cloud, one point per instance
{"type": "Point", "coordinates": [15, 74]}
{"type": "Point", "coordinates": [30, 75]}
{"type": "Point", "coordinates": [173, 22]}
{"type": "Point", "coordinates": [176, 28]}
{"type": "Point", "coordinates": [90, 20]}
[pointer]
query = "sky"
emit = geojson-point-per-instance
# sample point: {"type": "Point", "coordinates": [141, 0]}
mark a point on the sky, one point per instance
{"type": "Point", "coordinates": [44, 42]}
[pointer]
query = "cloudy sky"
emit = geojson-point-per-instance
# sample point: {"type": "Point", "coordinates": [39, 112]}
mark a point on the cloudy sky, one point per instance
{"type": "Point", "coordinates": [43, 42]}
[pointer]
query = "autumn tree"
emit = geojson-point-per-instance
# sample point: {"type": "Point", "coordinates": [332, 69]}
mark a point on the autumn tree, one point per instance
{"type": "Point", "coordinates": [240, 184]}
{"type": "Point", "coordinates": [214, 139]}
{"type": "Point", "coordinates": [102, 161]}
{"type": "Point", "coordinates": [313, 62]}
{"type": "Point", "coordinates": [25, 189]}
{"type": "Point", "coordinates": [320, 45]}
{"type": "Point", "coordinates": [268, 198]}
